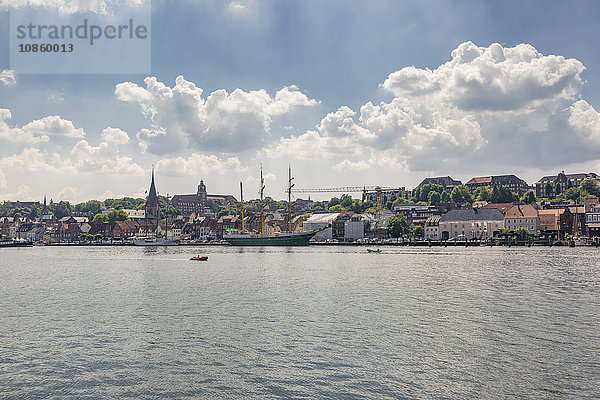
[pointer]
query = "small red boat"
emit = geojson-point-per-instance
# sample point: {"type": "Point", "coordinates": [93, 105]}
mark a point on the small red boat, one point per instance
{"type": "Point", "coordinates": [200, 258]}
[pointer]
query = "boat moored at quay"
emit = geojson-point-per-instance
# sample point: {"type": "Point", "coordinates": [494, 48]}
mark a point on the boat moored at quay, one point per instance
{"type": "Point", "coordinates": [15, 243]}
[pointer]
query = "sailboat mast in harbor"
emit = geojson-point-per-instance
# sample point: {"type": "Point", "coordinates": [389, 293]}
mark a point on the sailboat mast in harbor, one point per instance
{"type": "Point", "coordinates": [289, 192]}
{"type": "Point", "coordinates": [262, 213]}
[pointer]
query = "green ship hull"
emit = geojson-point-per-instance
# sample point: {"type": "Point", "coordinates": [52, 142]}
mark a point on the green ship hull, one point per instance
{"type": "Point", "coordinates": [281, 240]}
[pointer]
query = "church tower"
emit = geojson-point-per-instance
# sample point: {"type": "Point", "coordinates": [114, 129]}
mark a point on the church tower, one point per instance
{"type": "Point", "coordinates": [152, 205]}
{"type": "Point", "coordinates": [202, 197]}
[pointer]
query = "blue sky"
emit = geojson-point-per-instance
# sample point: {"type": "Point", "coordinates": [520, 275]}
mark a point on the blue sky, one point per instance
{"type": "Point", "coordinates": [342, 117]}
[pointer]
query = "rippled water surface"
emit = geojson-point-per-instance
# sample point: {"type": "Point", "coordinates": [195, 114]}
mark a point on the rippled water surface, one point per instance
{"type": "Point", "coordinates": [315, 322]}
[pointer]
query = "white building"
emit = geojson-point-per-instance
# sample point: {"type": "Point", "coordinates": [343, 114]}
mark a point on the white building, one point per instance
{"type": "Point", "coordinates": [522, 216]}
{"type": "Point", "coordinates": [318, 221]}
{"type": "Point", "coordinates": [472, 223]}
{"type": "Point", "coordinates": [431, 230]}
{"type": "Point", "coordinates": [354, 228]}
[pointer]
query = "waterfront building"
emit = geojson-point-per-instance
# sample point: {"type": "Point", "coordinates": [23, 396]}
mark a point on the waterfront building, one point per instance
{"type": "Point", "coordinates": [556, 222]}
{"type": "Point", "coordinates": [354, 228]}
{"type": "Point", "coordinates": [579, 219]}
{"type": "Point", "coordinates": [514, 183]}
{"type": "Point", "coordinates": [564, 181]}
{"type": "Point", "coordinates": [447, 182]}
{"type": "Point", "coordinates": [338, 225]}
{"type": "Point", "coordinates": [522, 216]}
{"type": "Point", "coordinates": [431, 230]}
{"type": "Point", "coordinates": [471, 223]}
{"type": "Point", "coordinates": [200, 228]}
{"type": "Point", "coordinates": [592, 221]}
{"type": "Point", "coordinates": [317, 221]}
{"type": "Point", "coordinates": [124, 229]}
{"type": "Point", "coordinates": [227, 222]}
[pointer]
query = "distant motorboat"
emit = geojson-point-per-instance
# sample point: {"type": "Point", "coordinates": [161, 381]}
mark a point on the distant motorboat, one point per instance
{"type": "Point", "coordinates": [374, 251]}
{"type": "Point", "coordinates": [199, 258]}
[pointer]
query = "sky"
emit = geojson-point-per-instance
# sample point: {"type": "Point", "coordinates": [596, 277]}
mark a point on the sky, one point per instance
{"type": "Point", "coordinates": [349, 93]}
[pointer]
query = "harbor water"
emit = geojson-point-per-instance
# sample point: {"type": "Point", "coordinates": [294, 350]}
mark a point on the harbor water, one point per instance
{"type": "Point", "coordinates": [312, 322]}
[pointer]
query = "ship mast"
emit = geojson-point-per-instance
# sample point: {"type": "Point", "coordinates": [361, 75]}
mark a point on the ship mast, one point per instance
{"type": "Point", "coordinates": [262, 213]}
{"type": "Point", "coordinates": [242, 204]}
{"type": "Point", "coordinates": [289, 191]}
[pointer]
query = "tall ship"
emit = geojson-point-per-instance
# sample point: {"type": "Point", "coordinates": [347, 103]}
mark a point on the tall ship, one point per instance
{"type": "Point", "coordinates": [153, 213]}
{"type": "Point", "coordinates": [289, 238]}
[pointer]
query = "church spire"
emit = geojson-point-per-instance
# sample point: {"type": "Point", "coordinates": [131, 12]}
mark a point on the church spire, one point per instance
{"type": "Point", "coordinates": [152, 205]}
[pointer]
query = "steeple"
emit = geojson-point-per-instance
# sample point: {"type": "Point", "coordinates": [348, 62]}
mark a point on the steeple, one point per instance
{"type": "Point", "coordinates": [152, 205]}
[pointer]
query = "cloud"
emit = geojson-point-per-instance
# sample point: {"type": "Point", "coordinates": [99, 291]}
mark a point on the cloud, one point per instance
{"type": "Point", "coordinates": [7, 77]}
{"type": "Point", "coordinates": [68, 193]}
{"type": "Point", "coordinates": [487, 106]}
{"type": "Point", "coordinates": [106, 157]}
{"type": "Point", "coordinates": [198, 163]}
{"type": "Point", "coordinates": [67, 7]}
{"type": "Point", "coordinates": [53, 126]}
{"type": "Point", "coordinates": [37, 131]}
{"type": "Point", "coordinates": [17, 135]}
{"type": "Point", "coordinates": [2, 180]}
{"type": "Point", "coordinates": [23, 193]}
{"type": "Point", "coordinates": [33, 160]}
{"type": "Point", "coordinates": [348, 165]}
{"type": "Point", "coordinates": [268, 177]}
{"type": "Point", "coordinates": [182, 118]}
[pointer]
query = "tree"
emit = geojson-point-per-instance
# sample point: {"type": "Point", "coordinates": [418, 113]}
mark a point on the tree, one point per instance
{"type": "Point", "coordinates": [333, 202]}
{"type": "Point", "coordinates": [572, 193]}
{"type": "Point", "coordinates": [557, 189]}
{"type": "Point", "coordinates": [590, 186]}
{"type": "Point", "coordinates": [528, 197]}
{"type": "Point", "coordinates": [60, 209]}
{"type": "Point", "coordinates": [445, 197]}
{"type": "Point", "coordinates": [397, 225]}
{"type": "Point", "coordinates": [357, 206]}
{"type": "Point", "coordinates": [501, 194]}
{"type": "Point", "coordinates": [434, 198]}
{"type": "Point", "coordinates": [483, 193]}
{"type": "Point", "coordinates": [336, 209]}
{"type": "Point", "coordinates": [418, 230]}
{"type": "Point", "coordinates": [346, 201]}
{"type": "Point", "coordinates": [427, 188]}
{"type": "Point", "coordinates": [521, 232]}
{"type": "Point", "coordinates": [110, 217]}
{"type": "Point", "coordinates": [416, 194]}
{"type": "Point", "coordinates": [460, 195]}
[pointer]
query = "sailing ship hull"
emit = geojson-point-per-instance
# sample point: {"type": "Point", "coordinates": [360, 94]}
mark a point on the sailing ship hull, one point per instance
{"type": "Point", "coordinates": [281, 240]}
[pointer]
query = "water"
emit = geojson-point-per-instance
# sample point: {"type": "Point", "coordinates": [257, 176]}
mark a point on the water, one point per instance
{"type": "Point", "coordinates": [316, 322]}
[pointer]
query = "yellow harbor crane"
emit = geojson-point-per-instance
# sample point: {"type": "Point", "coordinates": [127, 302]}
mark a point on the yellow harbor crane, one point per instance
{"type": "Point", "coordinates": [355, 189]}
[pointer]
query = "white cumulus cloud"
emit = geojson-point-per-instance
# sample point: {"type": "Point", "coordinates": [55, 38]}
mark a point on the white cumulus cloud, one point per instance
{"type": "Point", "coordinates": [7, 77]}
{"type": "Point", "coordinates": [106, 157]}
{"type": "Point", "coordinates": [486, 106]}
{"type": "Point", "coordinates": [53, 126]}
{"type": "Point", "coordinates": [198, 163]}
{"type": "Point", "coordinates": [348, 165]}
{"type": "Point", "coordinates": [182, 118]}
